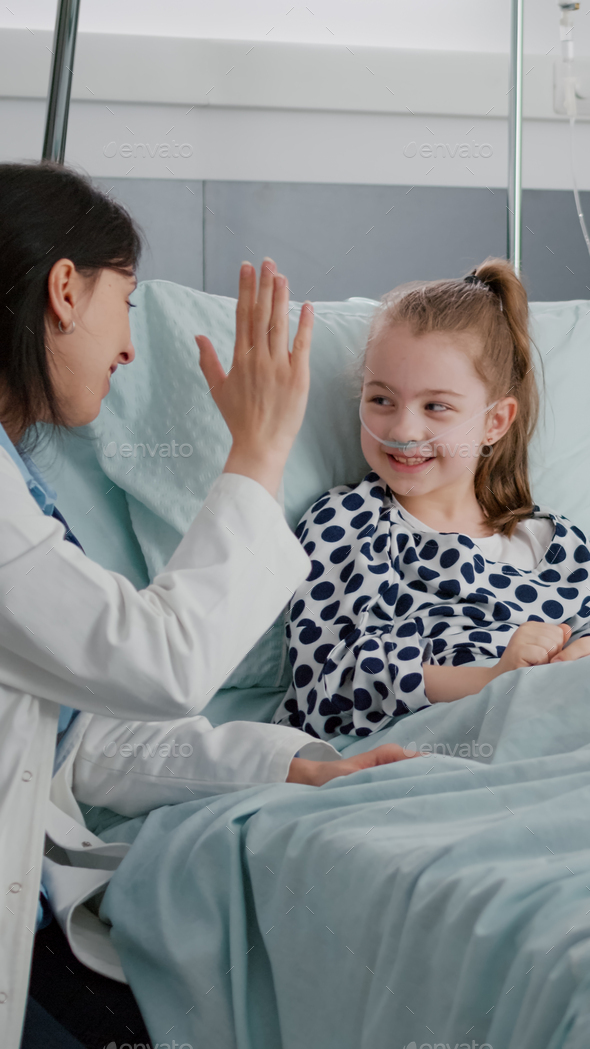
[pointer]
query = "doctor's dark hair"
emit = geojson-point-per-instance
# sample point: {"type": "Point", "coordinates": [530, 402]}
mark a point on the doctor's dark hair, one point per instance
{"type": "Point", "coordinates": [490, 304]}
{"type": "Point", "coordinates": [48, 212]}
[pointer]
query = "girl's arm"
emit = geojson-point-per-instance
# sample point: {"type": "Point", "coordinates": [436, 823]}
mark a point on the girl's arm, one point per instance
{"type": "Point", "coordinates": [444, 684]}
{"type": "Point", "coordinates": [532, 644]}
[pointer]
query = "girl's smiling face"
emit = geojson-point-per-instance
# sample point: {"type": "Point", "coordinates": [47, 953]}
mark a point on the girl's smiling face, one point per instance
{"type": "Point", "coordinates": [417, 387]}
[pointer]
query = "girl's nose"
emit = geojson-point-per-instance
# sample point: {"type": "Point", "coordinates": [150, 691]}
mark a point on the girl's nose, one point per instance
{"type": "Point", "coordinates": [406, 427]}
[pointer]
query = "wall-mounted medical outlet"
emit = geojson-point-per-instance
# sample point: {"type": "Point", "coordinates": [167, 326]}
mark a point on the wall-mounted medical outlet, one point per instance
{"type": "Point", "coordinates": [571, 76]}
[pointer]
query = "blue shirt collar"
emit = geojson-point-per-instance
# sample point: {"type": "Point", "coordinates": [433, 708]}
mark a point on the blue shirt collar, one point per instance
{"type": "Point", "coordinates": [42, 492]}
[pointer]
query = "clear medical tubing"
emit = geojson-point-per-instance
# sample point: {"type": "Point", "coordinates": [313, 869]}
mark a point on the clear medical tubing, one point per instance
{"type": "Point", "coordinates": [566, 34]}
{"type": "Point", "coordinates": [405, 446]}
{"type": "Point", "coordinates": [575, 185]}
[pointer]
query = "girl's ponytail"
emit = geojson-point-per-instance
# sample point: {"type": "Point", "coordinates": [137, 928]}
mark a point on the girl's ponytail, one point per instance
{"type": "Point", "coordinates": [501, 480]}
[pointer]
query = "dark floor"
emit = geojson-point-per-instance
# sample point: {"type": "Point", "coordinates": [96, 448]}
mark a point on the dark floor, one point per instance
{"type": "Point", "coordinates": [72, 1007]}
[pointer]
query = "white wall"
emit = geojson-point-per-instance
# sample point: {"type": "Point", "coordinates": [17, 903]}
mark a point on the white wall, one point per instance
{"type": "Point", "coordinates": [293, 146]}
{"type": "Point", "coordinates": [331, 94]}
{"type": "Point", "coordinates": [448, 25]}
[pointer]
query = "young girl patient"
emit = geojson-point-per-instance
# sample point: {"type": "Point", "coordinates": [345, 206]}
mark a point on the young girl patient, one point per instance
{"type": "Point", "coordinates": [439, 557]}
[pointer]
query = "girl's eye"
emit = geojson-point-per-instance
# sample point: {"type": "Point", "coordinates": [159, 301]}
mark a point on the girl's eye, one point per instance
{"type": "Point", "coordinates": [434, 406]}
{"type": "Point", "coordinates": [132, 304]}
{"type": "Point", "coordinates": [380, 400]}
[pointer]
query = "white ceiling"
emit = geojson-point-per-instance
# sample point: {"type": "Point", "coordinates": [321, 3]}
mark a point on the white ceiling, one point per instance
{"type": "Point", "coordinates": [453, 25]}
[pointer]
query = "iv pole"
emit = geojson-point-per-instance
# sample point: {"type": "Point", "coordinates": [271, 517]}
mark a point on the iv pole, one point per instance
{"type": "Point", "coordinates": [60, 80]}
{"type": "Point", "coordinates": [515, 136]}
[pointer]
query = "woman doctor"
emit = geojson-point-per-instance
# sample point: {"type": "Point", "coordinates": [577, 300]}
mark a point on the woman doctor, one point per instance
{"type": "Point", "coordinates": [76, 636]}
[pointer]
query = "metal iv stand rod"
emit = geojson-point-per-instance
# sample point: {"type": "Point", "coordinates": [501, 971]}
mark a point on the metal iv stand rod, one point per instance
{"type": "Point", "coordinates": [60, 80]}
{"type": "Point", "coordinates": [515, 136]}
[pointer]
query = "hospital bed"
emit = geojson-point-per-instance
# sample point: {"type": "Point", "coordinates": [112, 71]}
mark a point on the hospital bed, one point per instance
{"type": "Point", "coordinates": [129, 486]}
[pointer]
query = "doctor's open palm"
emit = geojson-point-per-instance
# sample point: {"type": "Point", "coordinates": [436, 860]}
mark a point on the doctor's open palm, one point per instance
{"type": "Point", "coordinates": [263, 396]}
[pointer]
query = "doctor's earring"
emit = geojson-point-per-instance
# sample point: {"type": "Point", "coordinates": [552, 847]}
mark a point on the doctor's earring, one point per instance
{"type": "Point", "coordinates": [66, 331]}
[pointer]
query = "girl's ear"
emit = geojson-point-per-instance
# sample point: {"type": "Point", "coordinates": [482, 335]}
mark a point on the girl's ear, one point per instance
{"type": "Point", "coordinates": [501, 419]}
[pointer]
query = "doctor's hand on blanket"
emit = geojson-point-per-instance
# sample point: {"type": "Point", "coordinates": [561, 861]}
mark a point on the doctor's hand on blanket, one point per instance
{"type": "Point", "coordinates": [532, 644]}
{"type": "Point", "coordinates": [263, 396]}
{"type": "Point", "coordinates": [316, 773]}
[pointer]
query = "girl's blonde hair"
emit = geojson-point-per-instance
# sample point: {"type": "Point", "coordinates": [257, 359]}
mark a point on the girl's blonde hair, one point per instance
{"type": "Point", "coordinates": [494, 308]}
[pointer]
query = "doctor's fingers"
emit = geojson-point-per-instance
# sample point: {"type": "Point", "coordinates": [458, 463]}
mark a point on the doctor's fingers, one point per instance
{"type": "Point", "coordinates": [302, 346]}
{"type": "Point", "coordinates": [278, 330]}
{"type": "Point", "coordinates": [262, 312]}
{"type": "Point", "coordinates": [382, 755]}
{"type": "Point", "coordinates": [210, 365]}
{"type": "Point", "coordinates": [245, 309]}
{"type": "Point", "coordinates": [388, 752]}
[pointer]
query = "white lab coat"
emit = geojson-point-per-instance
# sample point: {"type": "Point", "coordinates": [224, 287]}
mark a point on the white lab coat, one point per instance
{"type": "Point", "coordinates": [73, 633]}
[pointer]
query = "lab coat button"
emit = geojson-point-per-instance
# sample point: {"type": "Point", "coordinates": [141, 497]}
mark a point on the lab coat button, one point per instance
{"type": "Point", "coordinates": [3, 997]}
{"type": "Point", "coordinates": [86, 844]}
{"type": "Point", "coordinates": [15, 886]}
{"type": "Point", "coordinates": [27, 775]}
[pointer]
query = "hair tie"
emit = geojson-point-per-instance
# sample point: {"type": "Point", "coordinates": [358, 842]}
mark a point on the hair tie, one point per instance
{"type": "Point", "coordinates": [472, 278]}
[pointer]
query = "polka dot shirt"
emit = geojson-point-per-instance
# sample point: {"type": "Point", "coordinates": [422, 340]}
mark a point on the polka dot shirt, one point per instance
{"type": "Point", "coordinates": [384, 596]}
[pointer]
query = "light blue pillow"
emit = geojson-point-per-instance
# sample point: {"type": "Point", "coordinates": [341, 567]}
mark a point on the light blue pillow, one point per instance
{"type": "Point", "coordinates": [560, 450]}
{"type": "Point", "coordinates": [96, 509]}
{"type": "Point", "coordinates": [163, 397]}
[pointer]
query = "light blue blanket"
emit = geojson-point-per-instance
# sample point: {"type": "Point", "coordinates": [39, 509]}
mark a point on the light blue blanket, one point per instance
{"type": "Point", "coordinates": [439, 901]}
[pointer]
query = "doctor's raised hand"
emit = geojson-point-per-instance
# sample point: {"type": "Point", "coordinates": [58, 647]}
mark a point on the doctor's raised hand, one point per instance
{"type": "Point", "coordinates": [264, 394]}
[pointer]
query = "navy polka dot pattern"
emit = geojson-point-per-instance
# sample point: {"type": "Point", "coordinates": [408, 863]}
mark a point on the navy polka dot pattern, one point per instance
{"type": "Point", "coordinates": [382, 599]}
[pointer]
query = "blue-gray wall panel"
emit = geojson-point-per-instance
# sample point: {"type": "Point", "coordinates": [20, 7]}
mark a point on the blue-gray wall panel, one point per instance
{"type": "Point", "coordinates": [170, 213]}
{"type": "Point", "coordinates": [334, 241]}
{"type": "Point", "coordinates": [556, 260]}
